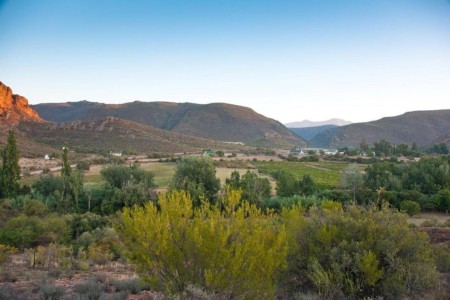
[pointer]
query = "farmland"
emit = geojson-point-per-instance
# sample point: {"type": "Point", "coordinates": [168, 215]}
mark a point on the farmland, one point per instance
{"type": "Point", "coordinates": [326, 174]}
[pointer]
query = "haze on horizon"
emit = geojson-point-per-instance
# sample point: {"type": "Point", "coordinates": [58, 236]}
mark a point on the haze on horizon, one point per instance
{"type": "Point", "coordinates": [289, 60]}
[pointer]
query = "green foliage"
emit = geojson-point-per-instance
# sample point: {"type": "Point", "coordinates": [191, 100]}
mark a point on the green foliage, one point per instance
{"type": "Point", "coordinates": [277, 203]}
{"type": "Point", "coordinates": [80, 223]}
{"type": "Point", "coordinates": [254, 188]}
{"type": "Point", "coordinates": [352, 179]}
{"type": "Point", "coordinates": [30, 231]}
{"type": "Point", "coordinates": [359, 252]}
{"type": "Point", "coordinates": [440, 148]}
{"type": "Point", "coordinates": [126, 186]}
{"type": "Point", "coordinates": [306, 186]}
{"type": "Point", "coordinates": [233, 251]}
{"type": "Point", "coordinates": [410, 207]}
{"type": "Point", "coordinates": [382, 148]}
{"type": "Point", "coordinates": [197, 175]}
{"type": "Point", "coordinates": [442, 200]}
{"type": "Point", "coordinates": [286, 184]}
{"type": "Point", "coordinates": [326, 174]}
{"type": "Point", "coordinates": [47, 185]}
{"type": "Point", "coordinates": [442, 257]}
{"type": "Point", "coordinates": [10, 169]}
{"type": "Point", "coordinates": [34, 208]}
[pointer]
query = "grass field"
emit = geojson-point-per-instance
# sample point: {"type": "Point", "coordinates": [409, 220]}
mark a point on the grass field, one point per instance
{"type": "Point", "coordinates": [439, 218]}
{"type": "Point", "coordinates": [163, 174]}
{"type": "Point", "coordinates": [325, 173]}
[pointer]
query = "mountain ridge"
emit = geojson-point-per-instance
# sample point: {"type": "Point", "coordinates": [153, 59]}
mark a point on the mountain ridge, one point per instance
{"type": "Point", "coordinates": [420, 127]}
{"type": "Point", "coordinates": [218, 121]}
{"type": "Point", "coordinates": [307, 123]}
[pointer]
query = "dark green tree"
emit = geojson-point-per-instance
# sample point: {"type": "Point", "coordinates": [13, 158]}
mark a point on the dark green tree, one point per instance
{"type": "Point", "coordinates": [65, 169]}
{"type": "Point", "coordinates": [197, 175]}
{"type": "Point", "coordinates": [71, 184]}
{"type": "Point", "coordinates": [254, 188]}
{"type": "Point", "coordinates": [126, 186]}
{"type": "Point", "coordinates": [306, 186]}
{"type": "Point", "coordinates": [286, 184]}
{"type": "Point", "coordinates": [10, 169]}
{"type": "Point", "coordinates": [382, 148]}
{"type": "Point", "coordinates": [234, 182]}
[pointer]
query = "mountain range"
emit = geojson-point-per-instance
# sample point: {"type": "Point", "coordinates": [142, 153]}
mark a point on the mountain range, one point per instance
{"type": "Point", "coordinates": [215, 121]}
{"type": "Point", "coordinates": [148, 127]}
{"type": "Point", "coordinates": [308, 123]}
{"type": "Point", "coordinates": [421, 127]}
{"type": "Point", "coordinates": [137, 126]}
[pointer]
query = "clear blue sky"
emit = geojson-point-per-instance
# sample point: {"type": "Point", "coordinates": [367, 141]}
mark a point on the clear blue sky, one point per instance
{"type": "Point", "coordinates": [290, 60]}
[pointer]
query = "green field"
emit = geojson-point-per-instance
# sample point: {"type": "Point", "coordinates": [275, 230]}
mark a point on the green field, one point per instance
{"type": "Point", "coordinates": [163, 174]}
{"type": "Point", "coordinates": [326, 174]}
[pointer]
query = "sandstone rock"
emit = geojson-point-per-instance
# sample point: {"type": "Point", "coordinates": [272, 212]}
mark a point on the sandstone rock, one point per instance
{"type": "Point", "coordinates": [15, 108]}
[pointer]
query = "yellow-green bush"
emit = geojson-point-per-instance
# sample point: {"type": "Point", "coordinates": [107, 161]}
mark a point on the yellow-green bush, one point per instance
{"type": "Point", "coordinates": [359, 252]}
{"type": "Point", "coordinates": [5, 252]}
{"type": "Point", "coordinates": [231, 249]}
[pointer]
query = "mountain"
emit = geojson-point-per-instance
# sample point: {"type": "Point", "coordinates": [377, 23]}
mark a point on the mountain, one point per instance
{"type": "Point", "coordinates": [14, 108]}
{"type": "Point", "coordinates": [307, 123]}
{"type": "Point", "coordinates": [217, 121]}
{"type": "Point", "coordinates": [112, 133]}
{"type": "Point", "coordinates": [308, 133]}
{"type": "Point", "coordinates": [421, 127]}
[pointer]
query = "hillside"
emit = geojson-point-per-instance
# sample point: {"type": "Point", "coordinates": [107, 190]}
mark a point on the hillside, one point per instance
{"type": "Point", "coordinates": [308, 133]}
{"type": "Point", "coordinates": [421, 127]}
{"type": "Point", "coordinates": [26, 145]}
{"type": "Point", "coordinates": [116, 134]}
{"type": "Point", "coordinates": [217, 121]}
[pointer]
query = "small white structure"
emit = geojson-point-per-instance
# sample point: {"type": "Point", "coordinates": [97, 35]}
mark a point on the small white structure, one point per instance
{"type": "Point", "coordinates": [115, 153]}
{"type": "Point", "coordinates": [47, 157]}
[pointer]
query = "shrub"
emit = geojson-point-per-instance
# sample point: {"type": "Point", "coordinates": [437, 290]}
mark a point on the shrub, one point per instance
{"type": "Point", "coordinates": [51, 291]}
{"type": "Point", "coordinates": [359, 252]}
{"type": "Point", "coordinates": [410, 207]}
{"type": "Point", "coordinates": [99, 254]}
{"type": "Point", "coordinates": [132, 285]}
{"type": "Point", "coordinates": [5, 252]}
{"type": "Point", "coordinates": [90, 289]}
{"type": "Point", "coordinates": [234, 249]}
{"type": "Point", "coordinates": [442, 256]}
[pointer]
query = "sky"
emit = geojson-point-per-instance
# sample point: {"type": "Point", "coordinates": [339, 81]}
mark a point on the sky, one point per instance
{"type": "Point", "coordinates": [357, 60]}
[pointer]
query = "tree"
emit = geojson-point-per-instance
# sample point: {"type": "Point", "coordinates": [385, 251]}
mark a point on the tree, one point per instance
{"type": "Point", "coordinates": [10, 169]}
{"type": "Point", "coordinates": [197, 175]}
{"type": "Point", "coordinates": [286, 185]}
{"type": "Point", "coordinates": [410, 207]}
{"type": "Point", "coordinates": [71, 184]}
{"type": "Point", "coordinates": [254, 188]}
{"type": "Point", "coordinates": [364, 146]}
{"type": "Point", "coordinates": [382, 148]}
{"type": "Point", "coordinates": [65, 169]}
{"type": "Point", "coordinates": [126, 186]}
{"type": "Point", "coordinates": [352, 179]}
{"type": "Point", "coordinates": [306, 186]}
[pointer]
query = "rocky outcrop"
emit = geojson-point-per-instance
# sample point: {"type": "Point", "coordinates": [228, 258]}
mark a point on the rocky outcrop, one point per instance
{"type": "Point", "coordinates": [15, 108]}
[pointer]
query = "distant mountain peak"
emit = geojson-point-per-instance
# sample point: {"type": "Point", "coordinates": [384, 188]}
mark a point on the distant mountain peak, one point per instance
{"type": "Point", "coordinates": [14, 108]}
{"type": "Point", "coordinates": [308, 123]}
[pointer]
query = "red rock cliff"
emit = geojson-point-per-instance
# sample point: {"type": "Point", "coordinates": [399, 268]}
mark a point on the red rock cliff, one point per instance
{"type": "Point", "coordinates": [15, 108]}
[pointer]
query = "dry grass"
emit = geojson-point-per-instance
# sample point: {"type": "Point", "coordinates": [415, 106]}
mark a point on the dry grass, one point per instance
{"type": "Point", "coordinates": [420, 218]}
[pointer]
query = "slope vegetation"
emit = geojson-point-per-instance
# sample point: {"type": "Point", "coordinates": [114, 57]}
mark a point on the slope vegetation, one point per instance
{"type": "Point", "coordinates": [421, 127]}
{"type": "Point", "coordinates": [217, 121]}
{"type": "Point", "coordinates": [116, 134]}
